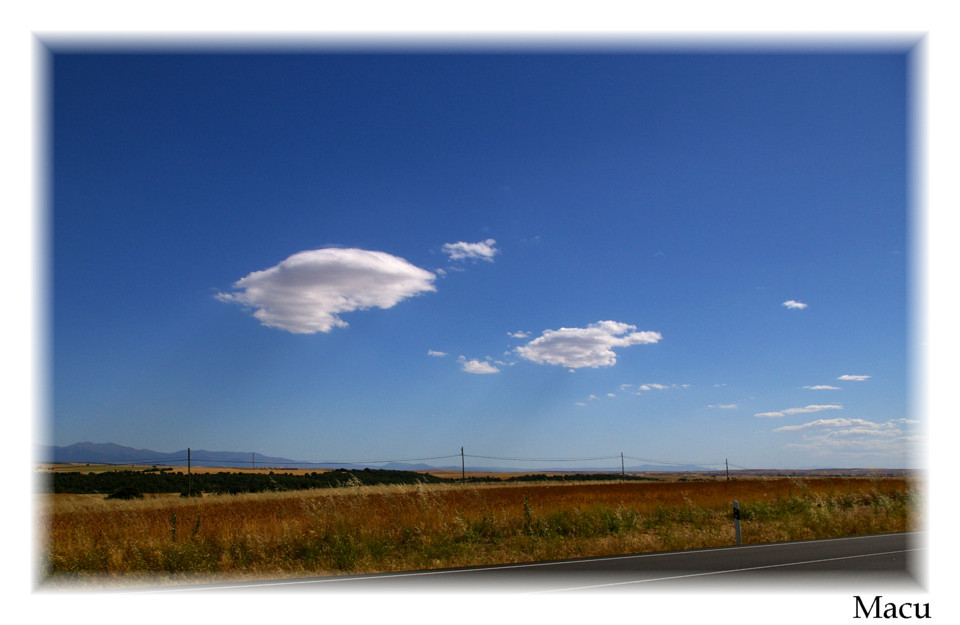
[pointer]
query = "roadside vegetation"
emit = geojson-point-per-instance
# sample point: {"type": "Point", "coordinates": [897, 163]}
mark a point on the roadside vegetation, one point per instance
{"type": "Point", "coordinates": [358, 529]}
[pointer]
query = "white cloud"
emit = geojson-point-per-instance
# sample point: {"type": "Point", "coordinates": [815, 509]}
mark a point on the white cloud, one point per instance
{"type": "Point", "coordinates": [822, 387]}
{"type": "Point", "coordinates": [847, 426]}
{"type": "Point", "coordinates": [484, 250]}
{"type": "Point", "coordinates": [651, 386]}
{"type": "Point", "coordinates": [723, 406]}
{"type": "Point", "coordinates": [305, 293]}
{"type": "Point", "coordinates": [519, 335]}
{"type": "Point", "coordinates": [794, 305]}
{"type": "Point", "coordinates": [478, 367]}
{"type": "Point", "coordinates": [856, 437]}
{"type": "Point", "coordinates": [812, 408]}
{"type": "Point", "coordinates": [431, 352]}
{"type": "Point", "coordinates": [854, 378]}
{"type": "Point", "coordinates": [585, 347]}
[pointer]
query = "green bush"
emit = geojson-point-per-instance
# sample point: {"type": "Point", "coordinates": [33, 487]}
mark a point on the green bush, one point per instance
{"type": "Point", "coordinates": [126, 492]}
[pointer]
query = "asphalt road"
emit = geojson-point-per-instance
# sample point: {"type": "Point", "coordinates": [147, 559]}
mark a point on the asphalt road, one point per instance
{"type": "Point", "coordinates": [886, 559]}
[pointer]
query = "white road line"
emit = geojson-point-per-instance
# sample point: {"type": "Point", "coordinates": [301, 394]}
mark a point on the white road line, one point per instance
{"type": "Point", "coordinates": [706, 573]}
{"type": "Point", "coordinates": [524, 565]}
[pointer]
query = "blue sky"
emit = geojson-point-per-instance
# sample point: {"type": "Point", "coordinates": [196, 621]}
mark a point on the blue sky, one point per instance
{"type": "Point", "coordinates": [335, 255]}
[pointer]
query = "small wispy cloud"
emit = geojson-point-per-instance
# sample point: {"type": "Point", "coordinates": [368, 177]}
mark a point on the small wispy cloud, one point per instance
{"type": "Point", "coordinates": [856, 437]}
{"type": "Point", "coordinates": [805, 409]}
{"type": "Point", "coordinates": [794, 304]}
{"type": "Point", "coordinates": [856, 426]}
{"type": "Point", "coordinates": [653, 386]}
{"type": "Point", "coordinates": [432, 352]}
{"type": "Point", "coordinates": [585, 347]}
{"type": "Point", "coordinates": [854, 378]}
{"type": "Point", "coordinates": [483, 250]}
{"type": "Point", "coordinates": [822, 387]}
{"type": "Point", "coordinates": [723, 406]}
{"type": "Point", "coordinates": [520, 334]}
{"type": "Point", "coordinates": [479, 367]}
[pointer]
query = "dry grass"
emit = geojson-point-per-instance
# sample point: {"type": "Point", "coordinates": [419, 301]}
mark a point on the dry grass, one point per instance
{"type": "Point", "coordinates": [368, 529]}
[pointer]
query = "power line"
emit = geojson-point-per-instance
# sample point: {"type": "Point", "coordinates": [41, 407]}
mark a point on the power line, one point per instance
{"type": "Point", "coordinates": [543, 459]}
{"type": "Point", "coordinates": [374, 461]}
{"type": "Point", "coordinates": [117, 463]}
{"type": "Point", "coordinates": [669, 462]}
{"type": "Point", "coordinates": [235, 461]}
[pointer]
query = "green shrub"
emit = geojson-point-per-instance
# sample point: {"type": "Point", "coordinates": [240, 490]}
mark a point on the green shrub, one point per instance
{"type": "Point", "coordinates": [126, 492]}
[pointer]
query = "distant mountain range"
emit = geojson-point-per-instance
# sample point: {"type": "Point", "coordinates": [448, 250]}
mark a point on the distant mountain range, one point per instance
{"type": "Point", "coordinates": [111, 453]}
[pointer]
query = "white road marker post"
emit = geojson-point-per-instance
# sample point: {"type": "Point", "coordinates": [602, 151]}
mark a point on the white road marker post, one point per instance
{"type": "Point", "coordinates": [736, 520]}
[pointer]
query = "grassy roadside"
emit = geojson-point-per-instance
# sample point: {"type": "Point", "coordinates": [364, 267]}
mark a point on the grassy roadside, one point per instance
{"type": "Point", "coordinates": [390, 528]}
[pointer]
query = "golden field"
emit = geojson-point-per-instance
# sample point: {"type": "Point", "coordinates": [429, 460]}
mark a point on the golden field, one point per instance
{"type": "Point", "coordinates": [86, 538]}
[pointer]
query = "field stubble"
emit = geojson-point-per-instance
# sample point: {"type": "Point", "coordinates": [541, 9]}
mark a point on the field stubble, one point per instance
{"type": "Point", "coordinates": [365, 529]}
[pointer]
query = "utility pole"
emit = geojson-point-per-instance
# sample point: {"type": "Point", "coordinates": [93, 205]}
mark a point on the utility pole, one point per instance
{"type": "Point", "coordinates": [727, 462]}
{"type": "Point", "coordinates": [463, 468]}
{"type": "Point", "coordinates": [189, 494]}
{"type": "Point", "coordinates": [623, 474]}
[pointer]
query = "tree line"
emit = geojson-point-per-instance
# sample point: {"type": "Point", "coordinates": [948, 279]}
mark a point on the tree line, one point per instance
{"type": "Point", "coordinates": [134, 483]}
{"type": "Point", "coordinates": [130, 483]}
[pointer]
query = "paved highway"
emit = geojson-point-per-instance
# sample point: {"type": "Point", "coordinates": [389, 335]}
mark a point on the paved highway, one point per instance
{"type": "Point", "coordinates": [886, 559]}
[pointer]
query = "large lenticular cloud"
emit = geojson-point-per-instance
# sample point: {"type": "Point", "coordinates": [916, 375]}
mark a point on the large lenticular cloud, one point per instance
{"type": "Point", "coordinates": [305, 293]}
